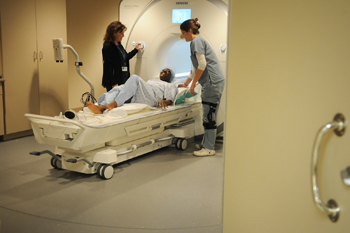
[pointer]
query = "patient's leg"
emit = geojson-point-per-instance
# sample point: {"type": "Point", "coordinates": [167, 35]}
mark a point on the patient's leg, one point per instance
{"type": "Point", "coordinates": [111, 105]}
{"type": "Point", "coordinates": [97, 109]}
{"type": "Point", "coordinates": [129, 90]}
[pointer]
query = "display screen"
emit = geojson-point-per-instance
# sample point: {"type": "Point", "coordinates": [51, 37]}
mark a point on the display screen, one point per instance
{"type": "Point", "coordinates": [180, 15]}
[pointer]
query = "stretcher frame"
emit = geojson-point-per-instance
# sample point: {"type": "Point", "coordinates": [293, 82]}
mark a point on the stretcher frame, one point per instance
{"type": "Point", "coordinates": [91, 150]}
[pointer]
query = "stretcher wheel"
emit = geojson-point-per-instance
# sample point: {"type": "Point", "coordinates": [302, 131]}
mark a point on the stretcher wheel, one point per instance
{"type": "Point", "coordinates": [106, 171]}
{"type": "Point", "coordinates": [99, 170]}
{"type": "Point", "coordinates": [55, 163]}
{"type": "Point", "coordinates": [52, 162]}
{"type": "Point", "coordinates": [181, 144]}
{"type": "Point", "coordinates": [58, 164]}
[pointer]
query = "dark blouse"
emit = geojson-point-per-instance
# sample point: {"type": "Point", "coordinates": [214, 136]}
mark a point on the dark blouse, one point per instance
{"type": "Point", "coordinates": [113, 61]}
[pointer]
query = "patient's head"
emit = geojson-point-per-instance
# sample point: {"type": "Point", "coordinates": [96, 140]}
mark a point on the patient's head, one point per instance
{"type": "Point", "coordinates": [165, 75]}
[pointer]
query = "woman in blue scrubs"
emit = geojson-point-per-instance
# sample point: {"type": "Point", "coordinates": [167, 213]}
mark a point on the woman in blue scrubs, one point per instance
{"type": "Point", "coordinates": [207, 71]}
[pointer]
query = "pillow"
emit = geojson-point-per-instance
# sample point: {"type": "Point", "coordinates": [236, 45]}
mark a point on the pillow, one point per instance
{"type": "Point", "coordinates": [181, 94]}
{"type": "Point", "coordinates": [189, 95]}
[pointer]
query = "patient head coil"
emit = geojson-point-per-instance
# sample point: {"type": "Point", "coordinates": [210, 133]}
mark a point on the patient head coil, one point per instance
{"type": "Point", "coordinates": [71, 114]}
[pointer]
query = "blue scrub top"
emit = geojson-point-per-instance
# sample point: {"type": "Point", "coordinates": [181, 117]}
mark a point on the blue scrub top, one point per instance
{"type": "Point", "coordinates": [212, 77]}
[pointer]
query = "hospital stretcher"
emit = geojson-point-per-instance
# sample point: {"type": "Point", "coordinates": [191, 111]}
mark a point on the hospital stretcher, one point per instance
{"type": "Point", "coordinates": [93, 143]}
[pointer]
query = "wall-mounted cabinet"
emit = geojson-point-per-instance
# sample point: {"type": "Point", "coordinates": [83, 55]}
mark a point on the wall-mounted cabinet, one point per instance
{"type": "Point", "coordinates": [35, 83]}
{"type": "Point", "coordinates": [2, 128]}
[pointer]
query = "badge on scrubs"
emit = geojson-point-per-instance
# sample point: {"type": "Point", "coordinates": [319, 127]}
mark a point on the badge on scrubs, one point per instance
{"type": "Point", "coordinates": [124, 68]}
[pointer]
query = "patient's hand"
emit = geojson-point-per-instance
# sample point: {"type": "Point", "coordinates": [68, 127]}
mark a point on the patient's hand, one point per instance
{"type": "Point", "coordinates": [164, 103]}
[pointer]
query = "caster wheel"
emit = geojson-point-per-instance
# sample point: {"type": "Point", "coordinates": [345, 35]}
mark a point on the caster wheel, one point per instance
{"type": "Point", "coordinates": [52, 162]}
{"type": "Point", "coordinates": [55, 163]}
{"type": "Point", "coordinates": [106, 171]}
{"type": "Point", "coordinates": [177, 142]}
{"type": "Point", "coordinates": [58, 164]}
{"type": "Point", "coordinates": [181, 144]}
{"type": "Point", "coordinates": [99, 168]}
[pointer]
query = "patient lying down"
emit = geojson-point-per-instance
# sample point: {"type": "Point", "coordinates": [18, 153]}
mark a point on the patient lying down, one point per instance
{"type": "Point", "coordinates": [154, 92]}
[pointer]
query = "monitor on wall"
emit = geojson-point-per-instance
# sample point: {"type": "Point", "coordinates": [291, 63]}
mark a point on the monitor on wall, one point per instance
{"type": "Point", "coordinates": [180, 15]}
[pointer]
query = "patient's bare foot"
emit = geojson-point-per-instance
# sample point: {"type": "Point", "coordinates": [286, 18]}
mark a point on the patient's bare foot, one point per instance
{"type": "Point", "coordinates": [111, 105]}
{"type": "Point", "coordinates": [94, 108]}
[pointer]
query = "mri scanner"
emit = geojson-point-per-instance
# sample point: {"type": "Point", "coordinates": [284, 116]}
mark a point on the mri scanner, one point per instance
{"type": "Point", "coordinates": [156, 24]}
{"type": "Point", "coordinates": [89, 143]}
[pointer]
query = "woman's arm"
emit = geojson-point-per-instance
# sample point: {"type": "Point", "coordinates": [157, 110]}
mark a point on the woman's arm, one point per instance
{"type": "Point", "coordinates": [134, 51]}
{"type": "Point", "coordinates": [188, 80]}
{"type": "Point", "coordinates": [108, 78]}
{"type": "Point", "coordinates": [202, 64]}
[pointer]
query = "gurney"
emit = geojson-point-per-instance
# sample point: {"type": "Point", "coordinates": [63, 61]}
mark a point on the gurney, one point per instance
{"type": "Point", "coordinates": [89, 143]}
{"type": "Point", "coordinates": [93, 143]}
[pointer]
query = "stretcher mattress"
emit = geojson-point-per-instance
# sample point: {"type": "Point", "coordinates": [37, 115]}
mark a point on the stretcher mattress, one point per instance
{"type": "Point", "coordinates": [89, 131]}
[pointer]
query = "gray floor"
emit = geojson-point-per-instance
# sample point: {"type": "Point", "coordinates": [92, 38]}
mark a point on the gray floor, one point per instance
{"type": "Point", "coordinates": [167, 191]}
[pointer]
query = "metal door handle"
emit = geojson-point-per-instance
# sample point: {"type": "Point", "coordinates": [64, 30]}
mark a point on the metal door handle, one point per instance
{"type": "Point", "coordinates": [41, 55]}
{"type": "Point", "coordinates": [35, 56]}
{"type": "Point", "coordinates": [338, 125]}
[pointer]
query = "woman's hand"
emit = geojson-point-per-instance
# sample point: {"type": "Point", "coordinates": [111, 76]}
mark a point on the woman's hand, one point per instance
{"type": "Point", "coordinates": [138, 46]}
{"type": "Point", "coordinates": [182, 85]}
{"type": "Point", "coordinates": [164, 103]}
{"type": "Point", "coordinates": [192, 90]}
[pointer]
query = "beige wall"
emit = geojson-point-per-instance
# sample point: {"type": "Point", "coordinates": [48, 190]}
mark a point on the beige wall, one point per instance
{"type": "Point", "coordinates": [87, 21]}
{"type": "Point", "coordinates": [288, 75]}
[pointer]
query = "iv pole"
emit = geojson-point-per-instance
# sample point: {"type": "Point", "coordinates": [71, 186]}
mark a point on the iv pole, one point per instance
{"type": "Point", "coordinates": [58, 47]}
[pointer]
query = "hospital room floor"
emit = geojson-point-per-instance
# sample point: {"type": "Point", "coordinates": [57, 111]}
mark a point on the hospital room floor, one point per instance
{"type": "Point", "coordinates": [168, 191]}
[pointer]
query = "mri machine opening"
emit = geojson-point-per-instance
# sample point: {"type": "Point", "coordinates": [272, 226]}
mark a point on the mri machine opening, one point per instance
{"type": "Point", "coordinates": [152, 23]}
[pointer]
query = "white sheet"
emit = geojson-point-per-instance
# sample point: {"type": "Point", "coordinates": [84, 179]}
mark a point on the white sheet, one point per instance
{"type": "Point", "coordinates": [123, 114]}
{"type": "Point", "coordinates": [122, 111]}
{"type": "Point", "coordinates": [88, 118]}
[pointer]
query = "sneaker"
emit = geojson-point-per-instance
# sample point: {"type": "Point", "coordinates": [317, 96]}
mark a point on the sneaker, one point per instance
{"type": "Point", "coordinates": [204, 152]}
{"type": "Point", "coordinates": [198, 147]}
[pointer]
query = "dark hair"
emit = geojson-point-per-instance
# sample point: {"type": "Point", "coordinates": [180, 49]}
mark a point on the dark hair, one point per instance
{"type": "Point", "coordinates": [112, 28]}
{"type": "Point", "coordinates": [191, 24]}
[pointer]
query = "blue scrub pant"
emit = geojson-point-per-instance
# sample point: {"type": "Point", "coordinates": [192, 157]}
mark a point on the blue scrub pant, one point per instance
{"type": "Point", "coordinates": [120, 94]}
{"type": "Point", "coordinates": [211, 93]}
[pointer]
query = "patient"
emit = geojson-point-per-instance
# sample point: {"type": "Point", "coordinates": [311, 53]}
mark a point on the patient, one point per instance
{"type": "Point", "coordinates": [154, 92]}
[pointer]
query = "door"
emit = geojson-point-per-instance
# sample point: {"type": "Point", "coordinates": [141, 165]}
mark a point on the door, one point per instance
{"type": "Point", "coordinates": [289, 75]}
{"type": "Point", "coordinates": [19, 57]}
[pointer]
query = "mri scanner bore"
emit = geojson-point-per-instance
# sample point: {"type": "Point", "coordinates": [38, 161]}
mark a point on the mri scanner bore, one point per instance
{"type": "Point", "coordinates": [89, 143]}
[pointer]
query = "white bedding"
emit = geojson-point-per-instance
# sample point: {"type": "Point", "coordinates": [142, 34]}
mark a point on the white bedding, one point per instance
{"type": "Point", "coordinates": [88, 118]}
{"type": "Point", "coordinates": [123, 114]}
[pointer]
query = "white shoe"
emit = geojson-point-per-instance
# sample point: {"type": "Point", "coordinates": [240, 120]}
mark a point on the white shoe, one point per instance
{"type": "Point", "coordinates": [204, 152]}
{"type": "Point", "coordinates": [198, 147]}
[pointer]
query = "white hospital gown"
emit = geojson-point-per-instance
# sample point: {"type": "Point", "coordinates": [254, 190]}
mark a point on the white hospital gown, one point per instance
{"type": "Point", "coordinates": [139, 91]}
{"type": "Point", "coordinates": [154, 90]}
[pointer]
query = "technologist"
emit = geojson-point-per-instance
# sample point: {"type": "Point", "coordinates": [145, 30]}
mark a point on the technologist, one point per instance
{"type": "Point", "coordinates": [115, 58]}
{"type": "Point", "coordinates": [207, 71]}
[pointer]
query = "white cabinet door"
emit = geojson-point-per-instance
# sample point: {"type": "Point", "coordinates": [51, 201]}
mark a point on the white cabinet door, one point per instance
{"type": "Point", "coordinates": [18, 31]}
{"type": "Point", "coordinates": [288, 76]}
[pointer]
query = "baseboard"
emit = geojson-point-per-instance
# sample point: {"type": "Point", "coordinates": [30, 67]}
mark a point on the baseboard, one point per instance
{"type": "Point", "coordinates": [12, 136]}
